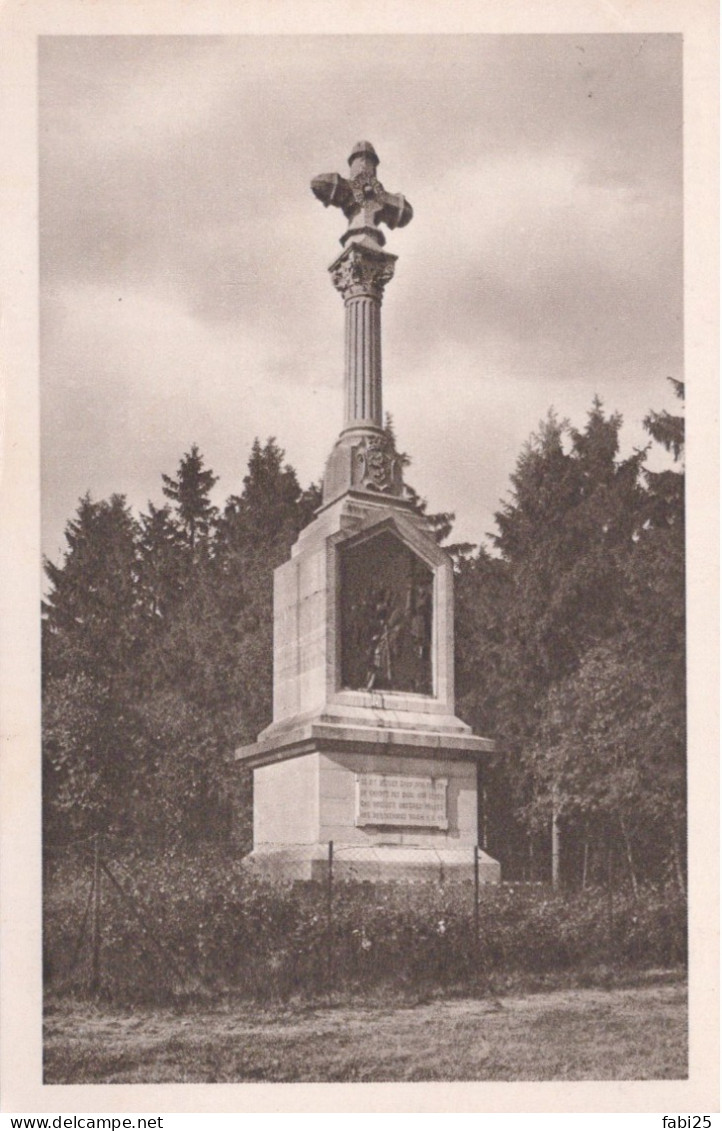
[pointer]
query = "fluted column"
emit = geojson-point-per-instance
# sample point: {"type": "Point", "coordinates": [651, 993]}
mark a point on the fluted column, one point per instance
{"type": "Point", "coordinates": [360, 275]}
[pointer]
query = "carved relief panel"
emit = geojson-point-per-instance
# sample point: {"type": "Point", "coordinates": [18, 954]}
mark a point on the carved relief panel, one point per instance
{"type": "Point", "coordinates": [386, 617]}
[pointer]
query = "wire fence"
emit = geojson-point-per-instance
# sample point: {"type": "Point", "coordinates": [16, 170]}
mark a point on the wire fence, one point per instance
{"type": "Point", "coordinates": [94, 863]}
{"type": "Point", "coordinates": [125, 916]}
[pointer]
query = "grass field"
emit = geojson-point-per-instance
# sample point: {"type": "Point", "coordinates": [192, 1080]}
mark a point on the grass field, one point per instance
{"type": "Point", "coordinates": [632, 1033]}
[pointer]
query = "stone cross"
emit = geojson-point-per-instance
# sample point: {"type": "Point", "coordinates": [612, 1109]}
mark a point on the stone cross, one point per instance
{"type": "Point", "coordinates": [362, 198]}
{"type": "Point", "coordinates": [360, 274]}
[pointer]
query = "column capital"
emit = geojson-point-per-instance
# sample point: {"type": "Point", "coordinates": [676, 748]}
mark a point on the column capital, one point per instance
{"type": "Point", "coordinates": [361, 270]}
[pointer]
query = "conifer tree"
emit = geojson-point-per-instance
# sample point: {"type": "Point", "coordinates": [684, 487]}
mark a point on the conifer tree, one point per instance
{"type": "Point", "coordinates": [580, 654]}
{"type": "Point", "coordinates": [208, 671]}
{"type": "Point", "coordinates": [564, 536]}
{"type": "Point", "coordinates": [90, 615]}
{"type": "Point", "coordinates": [92, 643]}
{"type": "Point", "coordinates": [190, 494]}
{"type": "Point", "coordinates": [161, 572]}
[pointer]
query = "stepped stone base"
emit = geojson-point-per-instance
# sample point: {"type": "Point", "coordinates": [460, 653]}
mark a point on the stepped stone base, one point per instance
{"type": "Point", "coordinates": [380, 863]}
{"type": "Point", "coordinates": [393, 810]}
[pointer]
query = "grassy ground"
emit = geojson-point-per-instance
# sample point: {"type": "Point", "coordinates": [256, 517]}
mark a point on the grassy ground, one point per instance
{"type": "Point", "coordinates": [632, 1033]}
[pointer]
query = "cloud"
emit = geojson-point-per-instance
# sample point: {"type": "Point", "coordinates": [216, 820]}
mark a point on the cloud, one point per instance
{"type": "Point", "coordinates": [183, 257]}
{"type": "Point", "coordinates": [131, 381]}
{"type": "Point", "coordinates": [573, 274]}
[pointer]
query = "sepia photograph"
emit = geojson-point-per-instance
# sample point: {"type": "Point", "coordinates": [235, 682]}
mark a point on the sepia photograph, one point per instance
{"type": "Point", "coordinates": [362, 626]}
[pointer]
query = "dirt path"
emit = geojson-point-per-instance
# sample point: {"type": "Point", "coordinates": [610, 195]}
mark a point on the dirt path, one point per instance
{"type": "Point", "coordinates": [588, 1034]}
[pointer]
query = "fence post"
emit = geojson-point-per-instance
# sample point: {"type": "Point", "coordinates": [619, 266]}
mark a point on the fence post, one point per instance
{"type": "Point", "coordinates": [555, 840]}
{"type": "Point", "coordinates": [95, 954]}
{"type": "Point", "coordinates": [329, 914]}
{"type": "Point", "coordinates": [610, 895]}
{"type": "Point", "coordinates": [476, 895]}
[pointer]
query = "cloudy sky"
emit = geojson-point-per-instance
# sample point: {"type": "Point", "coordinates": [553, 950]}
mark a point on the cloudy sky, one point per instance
{"type": "Point", "coordinates": [184, 291]}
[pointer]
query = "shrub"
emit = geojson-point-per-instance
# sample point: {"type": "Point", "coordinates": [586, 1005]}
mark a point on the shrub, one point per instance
{"type": "Point", "coordinates": [199, 922]}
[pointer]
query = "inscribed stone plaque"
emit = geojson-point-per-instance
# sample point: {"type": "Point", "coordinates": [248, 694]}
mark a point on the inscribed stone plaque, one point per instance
{"type": "Point", "coordinates": [383, 799]}
{"type": "Point", "coordinates": [386, 617]}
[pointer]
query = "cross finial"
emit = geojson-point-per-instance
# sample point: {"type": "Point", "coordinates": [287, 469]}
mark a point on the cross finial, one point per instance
{"type": "Point", "coordinates": [363, 199]}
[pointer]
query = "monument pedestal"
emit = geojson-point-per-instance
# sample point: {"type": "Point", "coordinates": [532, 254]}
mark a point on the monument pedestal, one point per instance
{"type": "Point", "coordinates": [393, 815]}
{"type": "Point", "coordinates": [388, 775]}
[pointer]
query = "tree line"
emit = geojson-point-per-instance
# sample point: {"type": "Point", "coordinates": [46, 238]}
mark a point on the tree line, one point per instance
{"type": "Point", "coordinates": [570, 652]}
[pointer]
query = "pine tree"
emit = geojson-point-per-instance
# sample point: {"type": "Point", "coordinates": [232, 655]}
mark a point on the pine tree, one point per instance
{"type": "Point", "coordinates": [92, 642]}
{"type": "Point", "coordinates": [666, 428]}
{"type": "Point", "coordinates": [572, 513]}
{"type": "Point", "coordinates": [271, 510]}
{"type": "Point", "coordinates": [161, 568]}
{"type": "Point", "coordinates": [91, 612]}
{"type": "Point", "coordinates": [256, 533]}
{"type": "Point", "coordinates": [207, 683]}
{"type": "Point", "coordinates": [589, 673]}
{"type": "Point", "coordinates": [190, 494]}
{"type": "Point", "coordinates": [565, 538]}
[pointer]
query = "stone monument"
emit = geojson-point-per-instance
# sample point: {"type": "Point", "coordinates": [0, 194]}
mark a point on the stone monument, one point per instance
{"type": "Point", "coordinates": [365, 750]}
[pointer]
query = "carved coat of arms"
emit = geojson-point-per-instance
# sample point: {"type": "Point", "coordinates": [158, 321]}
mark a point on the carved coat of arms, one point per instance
{"type": "Point", "coordinates": [378, 466]}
